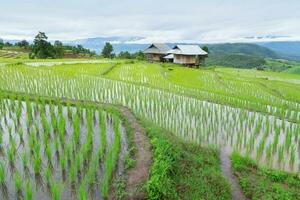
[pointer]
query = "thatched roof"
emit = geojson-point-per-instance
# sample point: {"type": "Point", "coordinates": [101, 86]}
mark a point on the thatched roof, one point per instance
{"type": "Point", "coordinates": [157, 49]}
{"type": "Point", "coordinates": [188, 50]}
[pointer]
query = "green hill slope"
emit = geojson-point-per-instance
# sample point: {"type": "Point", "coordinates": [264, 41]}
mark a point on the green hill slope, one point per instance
{"type": "Point", "coordinates": [239, 55]}
{"type": "Point", "coordinates": [288, 50]}
{"type": "Point", "coordinates": [242, 48]}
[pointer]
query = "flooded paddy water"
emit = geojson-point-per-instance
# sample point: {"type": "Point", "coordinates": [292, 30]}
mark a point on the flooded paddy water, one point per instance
{"type": "Point", "coordinates": [55, 150]}
{"type": "Point", "coordinates": [270, 141]}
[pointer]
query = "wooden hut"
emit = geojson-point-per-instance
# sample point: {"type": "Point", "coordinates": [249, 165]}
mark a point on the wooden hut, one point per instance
{"type": "Point", "coordinates": [156, 52]}
{"type": "Point", "coordinates": [188, 55]}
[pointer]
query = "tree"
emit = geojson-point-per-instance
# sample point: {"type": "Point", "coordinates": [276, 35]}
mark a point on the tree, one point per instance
{"type": "Point", "coordinates": [58, 43]}
{"type": "Point", "coordinates": [205, 48]}
{"type": "Point", "coordinates": [79, 49]}
{"type": "Point", "coordinates": [1, 44]}
{"type": "Point", "coordinates": [23, 44]}
{"type": "Point", "coordinates": [124, 55]}
{"type": "Point", "coordinates": [139, 55]}
{"type": "Point", "coordinates": [58, 49]}
{"type": "Point", "coordinates": [8, 44]}
{"type": "Point", "coordinates": [41, 47]}
{"type": "Point", "coordinates": [107, 50]}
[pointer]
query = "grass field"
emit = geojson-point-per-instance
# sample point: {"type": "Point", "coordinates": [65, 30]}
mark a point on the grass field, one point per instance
{"type": "Point", "coordinates": [183, 170]}
{"type": "Point", "coordinates": [280, 65]}
{"type": "Point", "coordinates": [262, 183]}
{"type": "Point", "coordinates": [256, 113]}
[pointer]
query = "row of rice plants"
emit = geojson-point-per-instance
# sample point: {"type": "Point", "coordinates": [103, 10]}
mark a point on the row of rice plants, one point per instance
{"type": "Point", "coordinates": [259, 135]}
{"type": "Point", "coordinates": [52, 150]}
{"type": "Point", "coordinates": [207, 84]}
{"type": "Point", "coordinates": [264, 101]}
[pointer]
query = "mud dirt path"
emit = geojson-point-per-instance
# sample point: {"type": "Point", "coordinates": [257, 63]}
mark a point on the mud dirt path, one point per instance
{"type": "Point", "coordinates": [236, 191]}
{"type": "Point", "coordinates": [139, 174]}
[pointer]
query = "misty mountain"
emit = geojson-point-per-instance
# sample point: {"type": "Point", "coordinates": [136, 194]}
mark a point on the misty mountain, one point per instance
{"type": "Point", "coordinates": [128, 44]}
{"type": "Point", "coordinates": [287, 50]}
{"type": "Point", "coordinates": [238, 55]}
{"type": "Point", "coordinates": [266, 37]}
{"type": "Point", "coordinates": [119, 43]}
{"type": "Point", "coordinates": [242, 48]}
{"type": "Point", "coordinates": [115, 39]}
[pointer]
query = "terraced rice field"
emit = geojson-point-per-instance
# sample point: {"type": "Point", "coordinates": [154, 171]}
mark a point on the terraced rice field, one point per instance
{"type": "Point", "coordinates": [50, 64]}
{"type": "Point", "coordinates": [255, 112]}
{"type": "Point", "coordinates": [11, 54]}
{"type": "Point", "coordinates": [53, 150]}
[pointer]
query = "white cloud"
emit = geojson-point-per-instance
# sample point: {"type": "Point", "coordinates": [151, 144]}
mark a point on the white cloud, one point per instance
{"type": "Point", "coordinates": [159, 21]}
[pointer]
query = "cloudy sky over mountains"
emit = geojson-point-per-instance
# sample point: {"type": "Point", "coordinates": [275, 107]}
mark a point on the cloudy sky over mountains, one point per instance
{"type": "Point", "coordinates": [156, 20]}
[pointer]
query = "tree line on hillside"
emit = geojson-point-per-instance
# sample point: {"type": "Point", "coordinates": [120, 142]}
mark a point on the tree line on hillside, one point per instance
{"type": "Point", "coordinates": [242, 48]}
{"type": "Point", "coordinates": [108, 52]}
{"type": "Point", "coordinates": [230, 55]}
{"type": "Point", "coordinates": [236, 61]}
{"type": "Point", "coordinates": [1, 44]}
{"type": "Point", "coordinates": [42, 48]}
{"type": "Point", "coordinates": [22, 43]}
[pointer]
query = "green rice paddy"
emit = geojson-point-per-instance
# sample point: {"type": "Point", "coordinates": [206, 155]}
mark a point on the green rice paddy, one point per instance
{"type": "Point", "coordinates": [51, 150]}
{"type": "Point", "coordinates": [253, 112]}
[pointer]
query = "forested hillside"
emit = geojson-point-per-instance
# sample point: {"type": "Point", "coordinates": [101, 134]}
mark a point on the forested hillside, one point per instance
{"type": "Point", "coordinates": [288, 50]}
{"type": "Point", "coordinates": [242, 48]}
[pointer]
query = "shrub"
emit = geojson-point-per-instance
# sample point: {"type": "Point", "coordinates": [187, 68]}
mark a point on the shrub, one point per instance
{"type": "Point", "coordinates": [160, 184]}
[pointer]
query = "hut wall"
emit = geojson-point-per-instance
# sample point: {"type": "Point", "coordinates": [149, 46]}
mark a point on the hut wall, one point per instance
{"type": "Point", "coordinates": [153, 57]}
{"type": "Point", "coordinates": [185, 59]}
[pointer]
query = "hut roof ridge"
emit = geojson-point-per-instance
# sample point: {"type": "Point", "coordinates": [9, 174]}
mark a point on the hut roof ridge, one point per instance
{"type": "Point", "coordinates": [188, 50]}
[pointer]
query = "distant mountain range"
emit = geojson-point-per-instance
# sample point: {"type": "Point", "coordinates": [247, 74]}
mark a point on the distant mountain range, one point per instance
{"type": "Point", "coordinates": [119, 43]}
{"type": "Point", "coordinates": [287, 50]}
{"type": "Point", "coordinates": [242, 48]}
{"type": "Point", "coordinates": [267, 37]}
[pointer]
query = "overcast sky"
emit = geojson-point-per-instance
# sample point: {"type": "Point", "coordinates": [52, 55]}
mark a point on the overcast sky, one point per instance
{"type": "Point", "coordinates": [156, 20]}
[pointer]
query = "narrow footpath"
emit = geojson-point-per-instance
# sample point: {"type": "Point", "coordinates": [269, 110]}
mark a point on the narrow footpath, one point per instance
{"type": "Point", "coordinates": [139, 174]}
{"type": "Point", "coordinates": [236, 191]}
